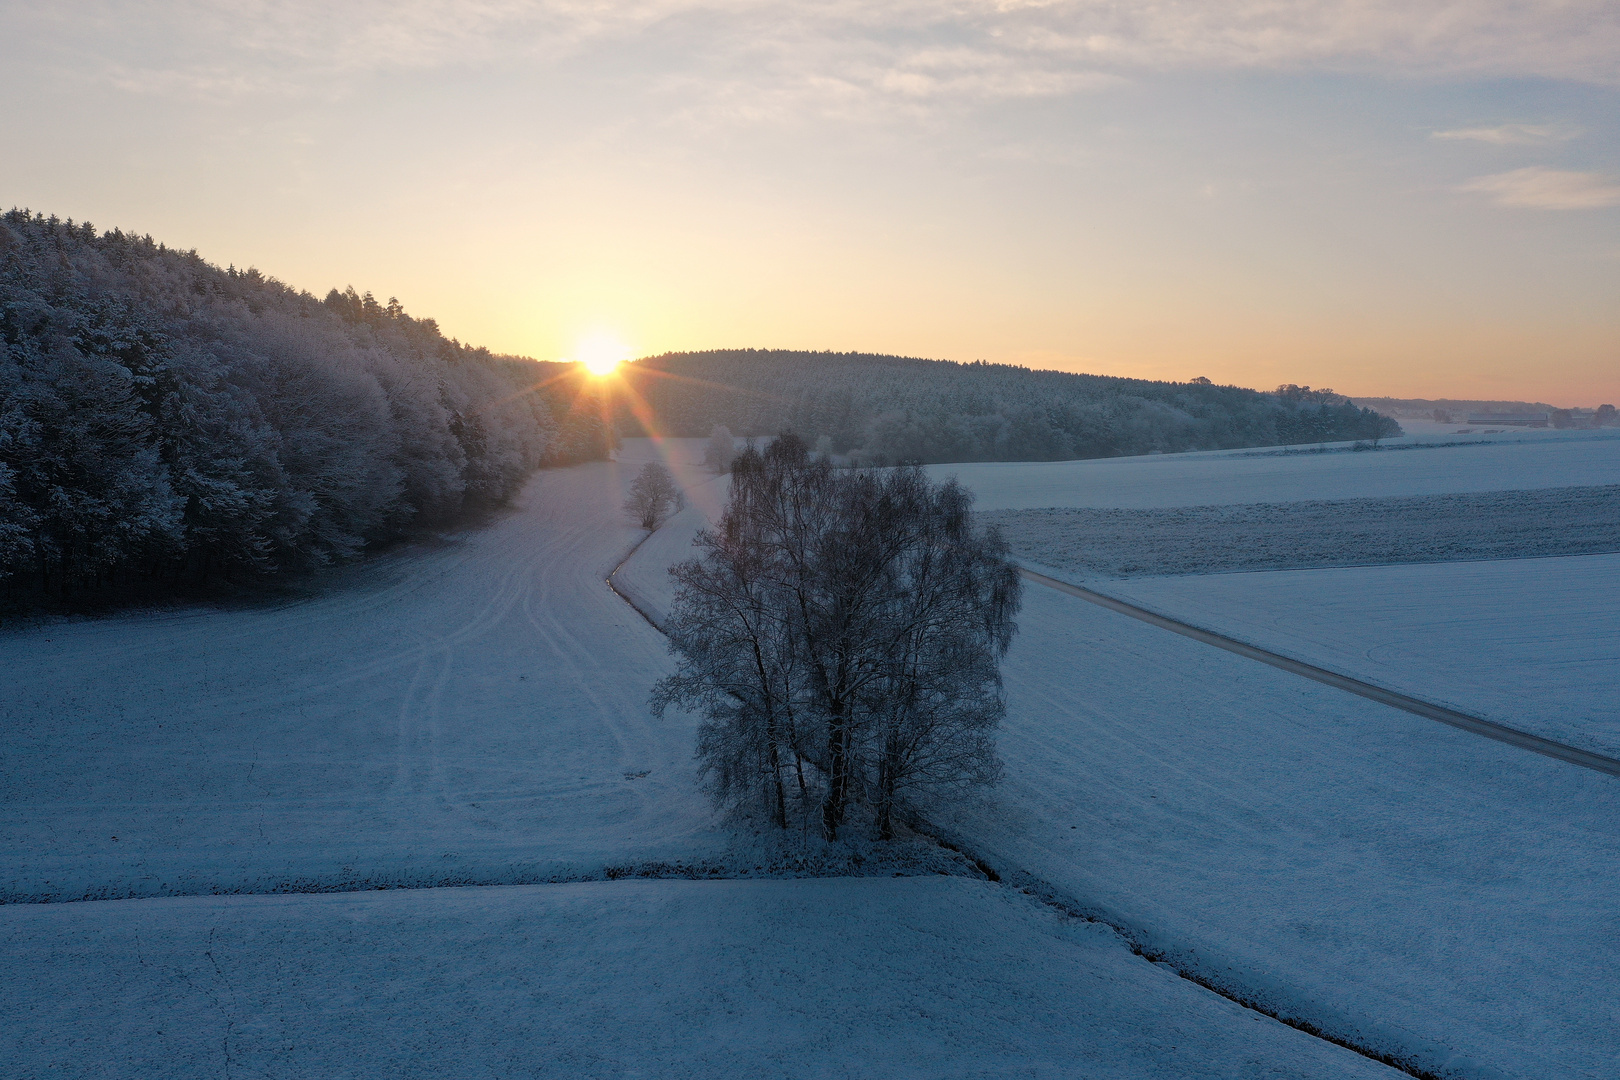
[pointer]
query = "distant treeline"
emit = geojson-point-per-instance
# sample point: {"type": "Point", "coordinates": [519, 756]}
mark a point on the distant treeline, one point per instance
{"type": "Point", "coordinates": [896, 409]}
{"type": "Point", "coordinates": [164, 421]}
{"type": "Point", "coordinates": [1457, 411]}
{"type": "Point", "coordinates": [1425, 408]}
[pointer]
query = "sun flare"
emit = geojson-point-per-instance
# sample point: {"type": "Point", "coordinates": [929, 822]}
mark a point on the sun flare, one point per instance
{"type": "Point", "coordinates": [601, 355]}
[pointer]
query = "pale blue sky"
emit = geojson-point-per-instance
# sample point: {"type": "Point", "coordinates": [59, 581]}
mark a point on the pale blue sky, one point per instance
{"type": "Point", "coordinates": [1344, 194]}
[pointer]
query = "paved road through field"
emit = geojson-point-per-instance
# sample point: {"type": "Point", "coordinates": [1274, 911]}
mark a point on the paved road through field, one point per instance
{"type": "Point", "coordinates": [1487, 728]}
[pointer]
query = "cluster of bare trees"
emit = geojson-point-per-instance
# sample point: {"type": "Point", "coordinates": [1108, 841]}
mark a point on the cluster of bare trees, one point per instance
{"type": "Point", "coordinates": [841, 632]}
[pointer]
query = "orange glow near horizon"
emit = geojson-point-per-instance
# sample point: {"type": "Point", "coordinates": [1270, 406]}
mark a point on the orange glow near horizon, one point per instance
{"type": "Point", "coordinates": [1324, 208]}
{"type": "Point", "coordinates": [601, 354]}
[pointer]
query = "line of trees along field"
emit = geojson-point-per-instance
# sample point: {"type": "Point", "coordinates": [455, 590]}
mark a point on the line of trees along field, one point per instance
{"type": "Point", "coordinates": [896, 409]}
{"type": "Point", "coordinates": [165, 422]}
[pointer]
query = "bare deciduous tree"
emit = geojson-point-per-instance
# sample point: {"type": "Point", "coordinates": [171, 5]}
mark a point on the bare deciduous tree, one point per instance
{"type": "Point", "coordinates": [841, 632]}
{"type": "Point", "coordinates": [653, 495]}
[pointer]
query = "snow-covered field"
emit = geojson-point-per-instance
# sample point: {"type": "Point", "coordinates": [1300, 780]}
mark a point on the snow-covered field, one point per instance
{"type": "Point", "coordinates": [1372, 872]}
{"type": "Point", "coordinates": [1366, 869]}
{"type": "Point", "coordinates": [1532, 643]}
{"type": "Point", "coordinates": [1516, 462]}
{"type": "Point", "coordinates": [1363, 869]}
{"type": "Point", "coordinates": [1330, 532]}
{"type": "Point", "coordinates": [913, 977]}
{"type": "Point", "coordinates": [474, 712]}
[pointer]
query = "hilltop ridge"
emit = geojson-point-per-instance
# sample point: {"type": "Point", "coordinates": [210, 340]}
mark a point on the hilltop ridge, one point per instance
{"type": "Point", "coordinates": [893, 408]}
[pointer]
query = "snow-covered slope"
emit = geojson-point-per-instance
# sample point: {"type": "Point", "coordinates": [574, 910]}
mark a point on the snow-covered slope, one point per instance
{"type": "Point", "coordinates": [1366, 869]}
{"type": "Point", "coordinates": [1532, 643]}
{"type": "Point", "coordinates": [474, 712]}
{"type": "Point", "coordinates": [1375, 873]}
{"type": "Point", "coordinates": [1511, 463]}
{"type": "Point", "coordinates": [916, 977]}
{"type": "Point", "coordinates": [477, 712]}
{"type": "Point", "coordinates": [644, 578]}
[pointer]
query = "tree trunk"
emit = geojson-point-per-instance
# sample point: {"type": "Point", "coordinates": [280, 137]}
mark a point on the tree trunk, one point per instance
{"type": "Point", "coordinates": [832, 808]}
{"type": "Point", "coordinates": [776, 771]}
{"type": "Point", "coordinates": [885, 801]}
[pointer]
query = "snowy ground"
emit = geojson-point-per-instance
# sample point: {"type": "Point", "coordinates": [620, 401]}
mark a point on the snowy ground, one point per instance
{"type": "Point", "coordinates": [1377, 874]}
{"type": "Point", "coordinates": [1335, 532]}
{"type": "Point", "coordinates": [474, 712]}
{"type": "Point", "coordinates": [915, 977]}
{"type": "Point", "coordinates": [1511, 462]}
{"type": "Point", "coordinates": [1371, 871]}
{"type": "Point", "coordinates": [1529, 643]}
{"type": "Point", "coordinates": [1383, 876]}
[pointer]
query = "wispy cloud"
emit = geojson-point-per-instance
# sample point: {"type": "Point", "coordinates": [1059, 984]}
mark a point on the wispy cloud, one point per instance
{"type": "Point", "coordinates": [808, 50]}
{"type": "Point", "coordinates": [1513, 134]}
{"type": "Point", "coordinates": [1548, 189]}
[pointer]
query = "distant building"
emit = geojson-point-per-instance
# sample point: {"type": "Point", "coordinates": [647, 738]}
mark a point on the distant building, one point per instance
{"type": "Point", "coordinates": [1511, 419]}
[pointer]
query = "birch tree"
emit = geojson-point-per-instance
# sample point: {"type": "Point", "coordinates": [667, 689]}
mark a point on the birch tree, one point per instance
{"type": "Point", "coordinates": [841, 631]}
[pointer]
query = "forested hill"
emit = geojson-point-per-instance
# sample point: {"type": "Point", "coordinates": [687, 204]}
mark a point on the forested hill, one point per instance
{"type": "Point", "coordinates": [891, 408]}
{"type": "Point", "coordinates": [166, 421]}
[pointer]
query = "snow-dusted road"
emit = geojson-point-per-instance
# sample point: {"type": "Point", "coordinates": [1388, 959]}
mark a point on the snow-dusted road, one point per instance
{"type": "Point", "coordinates": [1488, 728]}
{"type": "Point", "coordinates": [1529, 642]}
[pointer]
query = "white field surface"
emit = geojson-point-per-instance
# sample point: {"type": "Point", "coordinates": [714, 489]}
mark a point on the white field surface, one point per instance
{"type": "Point", "coordinates": [873, 977]}
{"type": "Point", "coordinates": [1532, 643]}
{"type": "Point", "coordinates": [1423, 890]}
{"type": "Point", "coordinates": [1510, 462]}
{"type": "Point", "coordinates": [1376, 873]}
{"type": "Point", "coordinates": [476, 713]}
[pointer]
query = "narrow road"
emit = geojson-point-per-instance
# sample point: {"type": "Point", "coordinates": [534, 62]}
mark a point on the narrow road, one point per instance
{"type": "Point", "coordinates": [1488, 728]}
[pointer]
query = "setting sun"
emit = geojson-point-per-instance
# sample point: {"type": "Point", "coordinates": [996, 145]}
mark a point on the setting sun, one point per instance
{"type": "Point", "coordinates": [601, 355]}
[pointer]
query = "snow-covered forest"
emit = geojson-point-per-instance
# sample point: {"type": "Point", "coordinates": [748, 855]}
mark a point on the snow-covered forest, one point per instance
{"type": "Point", "coordinates": [895, 409]}
{"type": "Point", "coordinates": [165, 422]}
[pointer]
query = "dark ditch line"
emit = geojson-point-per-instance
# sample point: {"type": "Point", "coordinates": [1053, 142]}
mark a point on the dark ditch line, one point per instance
{"type": "Point", "coordinates": [1490, 729]}
{"type": "Point", "coordinates": [1045, 894]}
{"type": "Point", "coordinates": [637, 608]}
{"type": "Point", "coordinates": [657, 870]}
